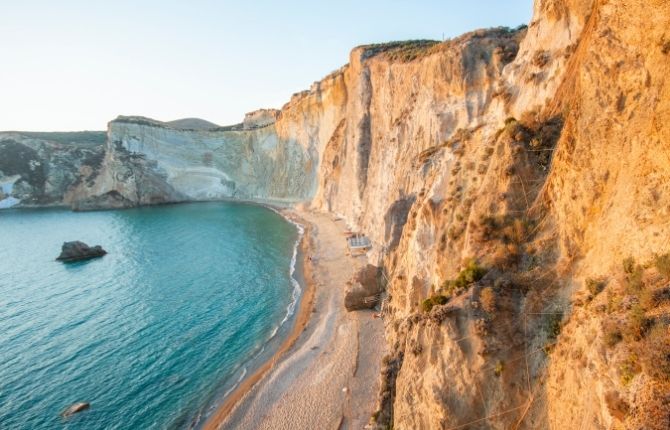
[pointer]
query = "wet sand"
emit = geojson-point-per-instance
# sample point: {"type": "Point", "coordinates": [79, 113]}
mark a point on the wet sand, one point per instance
{"type": "Point", "coordinates": [326, 374]}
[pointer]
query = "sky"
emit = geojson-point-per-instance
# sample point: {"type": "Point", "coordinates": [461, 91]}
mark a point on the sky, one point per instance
{"type": "Point", "coordinates": [77, 64]}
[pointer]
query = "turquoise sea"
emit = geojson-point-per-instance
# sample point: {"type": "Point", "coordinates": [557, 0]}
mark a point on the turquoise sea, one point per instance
{"type": "Point", "coordinates": [153, 335]}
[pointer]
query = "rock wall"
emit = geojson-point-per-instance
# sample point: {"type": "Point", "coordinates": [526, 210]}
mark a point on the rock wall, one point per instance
{"type": "Point", "coordinates": [41, 169]}
{"type": "Point", "coordinates": [172, 164]}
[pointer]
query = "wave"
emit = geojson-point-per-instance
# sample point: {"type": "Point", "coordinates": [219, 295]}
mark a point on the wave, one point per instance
{"type": "Point", "coordinates": [290, 308]}
{"type": "Point", "coordinates": [295, 294]}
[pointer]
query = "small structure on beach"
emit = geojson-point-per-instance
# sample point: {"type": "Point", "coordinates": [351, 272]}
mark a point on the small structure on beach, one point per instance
{"type": "Point", "coordinates": [358, 242]}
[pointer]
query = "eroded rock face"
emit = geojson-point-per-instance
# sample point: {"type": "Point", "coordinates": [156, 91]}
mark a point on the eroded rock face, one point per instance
{"type": "Point", "coordinates": [179, 165]}
{"type": "Point", "coordinates": [43, 169]}
{"type": "Point", "coordinates": [77, 251]}
{"type": "Point", "coordinates": [363, 293]}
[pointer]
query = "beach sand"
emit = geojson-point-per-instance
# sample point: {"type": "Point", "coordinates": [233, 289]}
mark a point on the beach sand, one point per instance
{"type": "Point", "coordinates": [326, 374]}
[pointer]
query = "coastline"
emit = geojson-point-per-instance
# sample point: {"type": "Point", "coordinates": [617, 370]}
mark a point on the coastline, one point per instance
{"type": "Point", "coordinates": [326, 373]}
{"type": "Point", "coordinates": [302, 317]}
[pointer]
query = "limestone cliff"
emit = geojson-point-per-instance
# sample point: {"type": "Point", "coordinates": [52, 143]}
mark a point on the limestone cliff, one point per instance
{"type": "Point", "coordinates": [514, 184]}
{"type": "Point", "coordinates": [246, 162]}
{"type": "Point", "coordinates": [40, 169]}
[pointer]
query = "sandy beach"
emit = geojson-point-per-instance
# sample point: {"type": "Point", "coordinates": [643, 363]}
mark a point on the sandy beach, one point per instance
{"type": "Point", "coordinates": [326, 374]}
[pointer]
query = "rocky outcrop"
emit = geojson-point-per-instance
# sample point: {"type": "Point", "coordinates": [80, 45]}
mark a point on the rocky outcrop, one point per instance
{"type": "Point", "coordinates": [44, 169]}
{"type": "Point", "coordinates": [77, 251]}
{"type": "Point", "coordinates": [75, 408]}
{"type": "Point", "coordinates": [149, 162]}
{"type": "Point", "coordinates": [364, 289]}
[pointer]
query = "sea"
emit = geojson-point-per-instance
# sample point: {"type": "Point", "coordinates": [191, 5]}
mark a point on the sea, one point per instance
{"type": "Point", "coordinates": [188, 300]}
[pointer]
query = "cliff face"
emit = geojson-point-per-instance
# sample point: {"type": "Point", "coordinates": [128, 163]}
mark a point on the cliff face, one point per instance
{"type": "Point", "coordinates": [151, 162]}
{"type": "Point", "coordinates": [503, 177]}
{"type": "Point", "coordinates": [40, 169]}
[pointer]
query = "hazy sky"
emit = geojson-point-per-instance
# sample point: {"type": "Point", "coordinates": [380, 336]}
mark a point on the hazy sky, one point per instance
{"type": "Point", "coordinates": [75, 65]}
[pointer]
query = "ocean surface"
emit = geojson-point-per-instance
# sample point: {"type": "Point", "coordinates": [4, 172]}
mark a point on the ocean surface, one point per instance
{"type": "Point", "coordinates": [152, 334]}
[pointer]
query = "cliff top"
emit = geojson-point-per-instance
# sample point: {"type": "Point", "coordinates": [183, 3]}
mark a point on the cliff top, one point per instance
{"type": "Point", "coordinates": [193, 124]}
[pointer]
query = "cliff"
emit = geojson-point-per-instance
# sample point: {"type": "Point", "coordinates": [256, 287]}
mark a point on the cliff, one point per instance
{"type": "Point", "coordinates": [40, 169]}
{"type": "Point", "coordinates": [514, 184]}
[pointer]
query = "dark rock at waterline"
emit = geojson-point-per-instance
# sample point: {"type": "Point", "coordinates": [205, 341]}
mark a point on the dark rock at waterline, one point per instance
{"type": "Point", "coordinates": [75, 251]}
{"type": "Point", "coordinates": [75, 408]}
{"type": "Point", "coordinates": [365, 289]}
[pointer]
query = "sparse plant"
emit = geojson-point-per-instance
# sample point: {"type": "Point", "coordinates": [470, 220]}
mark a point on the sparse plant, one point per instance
{"type": "Point", "coordinates": [629, 368]}
{"type": "Point", "coordinates": [636, 324]}
{"type": "Point", "coordinates": [488, 300]}
{"type": "Point", "coordinates": [472, 272]}
{"type": "Point", "coordinates": [554, 325]}
{"type": "Point", "coordinates": [499, 368]}
{"type": "Point", "coordinates": [595, 286]}
{"type": "Point", "coordinates": [635, 284]}
{"type": "Point", "coordinates": [628, 264]}
{"type": "Point", "coordinates": [613, 302]}
{"type": "Point", "coordinates": [439, 299]}
{"type": "Point", "coordinates": [612, 337]}
{"type": "Point", "coordinates": [662, 263]}
{"type": "Point", "coordinates": [655, 355]}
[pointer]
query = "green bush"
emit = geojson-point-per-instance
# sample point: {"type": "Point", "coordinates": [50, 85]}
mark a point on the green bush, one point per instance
{"type": "Point", "coordinates": [473, 272]}
{"type": "Point", "coordinates": [427, 305]}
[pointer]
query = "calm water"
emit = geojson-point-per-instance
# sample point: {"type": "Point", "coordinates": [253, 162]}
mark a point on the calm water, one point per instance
{"type": "Point", "coordinates": [151, 333]}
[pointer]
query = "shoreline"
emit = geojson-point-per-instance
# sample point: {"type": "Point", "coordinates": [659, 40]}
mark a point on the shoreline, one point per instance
{"type": "Point", "coordinates": [302, 316]}
{"type": "Point", "coordinates": [326, 375]}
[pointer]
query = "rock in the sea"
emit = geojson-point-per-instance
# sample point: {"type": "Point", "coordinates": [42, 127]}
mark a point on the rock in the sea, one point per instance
{"type": "Point", "coordinates": [74, 251]}
{"type": "Point", "coordinates": [365, 289]}
{"type": "Point", "coordinates": [75, 408]}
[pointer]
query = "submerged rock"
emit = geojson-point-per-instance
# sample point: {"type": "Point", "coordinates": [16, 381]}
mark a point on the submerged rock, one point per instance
{"type": "Point", "coordinates": [74, 251]}
{"type": "Point", "coordinates": [75, 408]}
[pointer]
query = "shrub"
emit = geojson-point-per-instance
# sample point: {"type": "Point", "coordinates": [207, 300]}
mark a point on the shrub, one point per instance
{"type": "Point", "coordinates": [629, 368]}
{"type": "Point", "coordinates": [612, 337]}
{"type": "Point", "coordinates": [499, 368]}
{"type": "Point", "coordinates": [488, 299]}
{"type": "Point", "coordinates": [472, 272]}
{"type": "Point", "coordinates": [628, 264]}
{"type": "Point", "coordinates": [595, 286]}
{"type": "Point", "coordinates": [655, 354]}
{"type": "Point", "coordinates": [635, 283]}
{"type": "Point", "coordinates": [554, 325]}
{"type": "Point", "coordinates": [662, 263]}
{"type": "Point", "coordinates": [613, 302]}
{"type": "Point", "coordinates": [636, 323]}
{"type": "Point", "coordinates": [427, 305]}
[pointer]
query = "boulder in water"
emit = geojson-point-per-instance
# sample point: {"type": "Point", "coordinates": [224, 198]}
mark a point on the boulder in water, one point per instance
{"type": "Point", "coordinates": [75, 408]}
{"type": "Point", "coordinates": [74, 251]}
